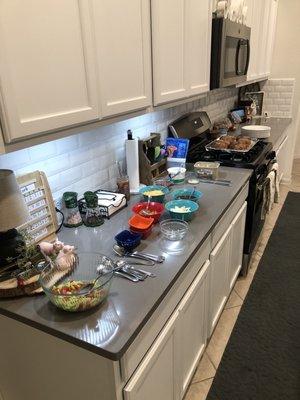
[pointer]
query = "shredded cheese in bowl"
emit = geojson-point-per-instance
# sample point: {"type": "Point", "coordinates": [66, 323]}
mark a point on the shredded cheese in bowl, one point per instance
{"type": "Point", "coordinates": [153, 193]}
{"type": "Point", "coordinates": [181, 210]}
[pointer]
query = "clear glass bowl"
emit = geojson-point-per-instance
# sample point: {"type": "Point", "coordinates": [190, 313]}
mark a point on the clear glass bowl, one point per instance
{"type": "Point", "coordinates": [56, 283]}
{"type": "Point", "coordinates": [173, 229]}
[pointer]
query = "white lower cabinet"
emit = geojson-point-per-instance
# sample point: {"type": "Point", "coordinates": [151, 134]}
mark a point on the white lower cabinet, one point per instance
{"type": "Point", "coordinates": [237, 244]}
{"type": "Point", "coordinates": [168, 367]}
{"type": "Point", "coordinates": [156, 376]}
{"type": "Point", "coordinates": [192, 327]}
{"type": "Point", "coordinates": [282, 157]}
{"type": "Point", "coordinates": [219, 288]}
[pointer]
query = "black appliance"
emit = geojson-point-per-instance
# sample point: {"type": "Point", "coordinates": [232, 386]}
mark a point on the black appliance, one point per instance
{"type": "Point", "coordinates": [230, 53]}
{"type": "Point", "coordinates": [260, 159]}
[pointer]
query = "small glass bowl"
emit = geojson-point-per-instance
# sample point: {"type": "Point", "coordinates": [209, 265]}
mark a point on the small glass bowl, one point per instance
{"type": "Point", "coordinates": [173, 229]}
{"type": "Point", "coordinates": [86, 269]}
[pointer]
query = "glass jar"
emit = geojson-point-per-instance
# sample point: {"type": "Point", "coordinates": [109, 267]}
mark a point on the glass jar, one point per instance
{"type": "Point", "coordinates": [72, 214]}
{"type": "Point", "coordinates": [93, 216]}
{"type": "Point", "coordinates": [123, 186]}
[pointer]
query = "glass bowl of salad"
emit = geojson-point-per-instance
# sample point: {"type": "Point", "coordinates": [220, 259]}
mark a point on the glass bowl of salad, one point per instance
{"type": "Point", "coordinates": [73, 289]}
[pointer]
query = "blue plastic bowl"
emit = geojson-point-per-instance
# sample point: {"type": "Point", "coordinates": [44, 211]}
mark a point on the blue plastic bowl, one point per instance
{"type": "Point", "coordinates": [158, 199]}
{"type": "Point", "coordinates": [128, 240]}
{"type": "Point", "coordinates": [184, 194]}
{"type": "Point", "coordinates": [186, 216]}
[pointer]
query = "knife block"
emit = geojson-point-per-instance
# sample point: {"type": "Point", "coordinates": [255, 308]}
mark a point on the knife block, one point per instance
{"type": "Point", "coordinates": [151, 167]}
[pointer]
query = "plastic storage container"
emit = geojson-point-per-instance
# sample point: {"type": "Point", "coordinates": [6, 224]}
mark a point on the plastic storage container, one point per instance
{"type": "Point", "coordinates": [208, 170]}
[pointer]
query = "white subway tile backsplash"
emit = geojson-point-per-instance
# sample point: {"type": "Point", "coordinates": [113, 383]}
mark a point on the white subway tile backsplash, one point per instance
{"type": "Point", "coordinates": [86, 161]}
{"type": "Point", "coordinates": [278, 99]}
{"type": "Point", "coordinates": [15, 160]}
{"type": "Point", "coordinates": [42, 151]}
{"type": "Point", "coordinates": [67, 144]}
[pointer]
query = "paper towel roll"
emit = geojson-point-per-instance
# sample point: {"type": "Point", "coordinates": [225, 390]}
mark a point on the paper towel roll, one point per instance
{"type": "Point", "coordinates": [132, 162]}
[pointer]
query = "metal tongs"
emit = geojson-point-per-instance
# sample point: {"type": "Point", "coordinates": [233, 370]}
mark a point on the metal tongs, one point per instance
{"type": "Point", "coordinates": [120, 251]}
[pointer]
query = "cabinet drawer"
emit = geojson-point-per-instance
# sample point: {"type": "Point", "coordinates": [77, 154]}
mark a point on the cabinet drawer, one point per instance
{"type": "Point", "coordinates": [142, 343]}
{"type": "Point", "coordinates": [229, 215]}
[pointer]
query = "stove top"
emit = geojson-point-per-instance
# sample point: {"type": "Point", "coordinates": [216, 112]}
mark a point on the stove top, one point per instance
{"type": "Point", "coordinates": [250, 160]}
{"type": "Point", "coordinates": [196, 127]}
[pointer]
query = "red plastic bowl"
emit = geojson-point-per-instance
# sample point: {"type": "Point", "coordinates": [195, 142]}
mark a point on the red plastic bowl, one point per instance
{"type": "Point", "coordinates": [156, 208]}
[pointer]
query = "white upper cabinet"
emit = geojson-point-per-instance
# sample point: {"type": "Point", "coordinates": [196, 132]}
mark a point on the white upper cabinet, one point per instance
{"type": "Point", "coordinates": [181, 42]}
{"type": "Point", "coordinates": [262, 20]}
{"type": "Point", "coordinates": [123, 49]}
{"type": "Point", "coordinates": [271, 34]}
{"type": "Point", "coordinates": [47, 66]}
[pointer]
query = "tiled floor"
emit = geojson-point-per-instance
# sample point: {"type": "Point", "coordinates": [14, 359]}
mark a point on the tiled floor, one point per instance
{"type": "Point", "coordinates": [206, 370]}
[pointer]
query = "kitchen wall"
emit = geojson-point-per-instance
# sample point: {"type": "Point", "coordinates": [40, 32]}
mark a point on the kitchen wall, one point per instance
{"type": "Point", "coordinates": [86, 161]}
{"type": "Point", "coordinates": [286, 57]}
{"type": "Point", "coordinates": [279, 97]}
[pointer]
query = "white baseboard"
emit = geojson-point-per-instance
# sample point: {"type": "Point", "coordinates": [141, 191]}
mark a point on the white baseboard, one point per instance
{"type": "Point", "coordinates": [286, 181]}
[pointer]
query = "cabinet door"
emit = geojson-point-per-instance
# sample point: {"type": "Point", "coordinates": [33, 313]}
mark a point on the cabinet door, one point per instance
{"type": "Point", "coordinates": [123, 48]}
{"type": "Point", "coordinates": [237, 245]}
{"type": "Point", "coordinates": [282, 158]}
{"type": "Point", "coordinates": [192, 326]}
{"type": "Point", "coordinates": [271, 34]}
{"type": "Point", "coordinates": [264, 37]}
{"type": "Point", "coordinates": [181, 41]}
{"type": "Point", "coordinates": [157, 375]}
{"type": "Point", "coordinates": [198, 24]}
{"type": "Point", "coordinates": [219, 288]}
{"type": "Point", "coordinates": [47, 66]}
{"type": "Point", "coordinates": [168, 50]}
{"type": "Point", "coordinates": [254, 20]}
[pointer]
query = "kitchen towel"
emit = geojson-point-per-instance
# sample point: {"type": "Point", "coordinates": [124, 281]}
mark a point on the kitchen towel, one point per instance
{"type": "Point", "coordinates": [271, 191]}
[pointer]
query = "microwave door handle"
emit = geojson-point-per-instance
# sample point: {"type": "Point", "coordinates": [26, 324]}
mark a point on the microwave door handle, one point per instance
{"type": "Point", "coordinates": [248, 57]}
{"type": "Point", "coordinates": [237, 56]}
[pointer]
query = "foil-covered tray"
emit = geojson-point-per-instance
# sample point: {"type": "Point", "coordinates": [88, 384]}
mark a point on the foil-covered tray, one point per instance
{"type": "Point", "coordinates": [210, 146]}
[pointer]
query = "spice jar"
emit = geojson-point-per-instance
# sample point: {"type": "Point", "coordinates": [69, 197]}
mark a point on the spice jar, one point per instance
{"type": "Point", "coordinates": [93, 216]}
{"type": "Point", "coordinates": [72, 214]}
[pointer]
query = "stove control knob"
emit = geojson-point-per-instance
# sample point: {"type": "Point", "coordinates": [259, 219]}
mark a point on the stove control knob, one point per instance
{"type": "Point", "coordinates": [271, 155]}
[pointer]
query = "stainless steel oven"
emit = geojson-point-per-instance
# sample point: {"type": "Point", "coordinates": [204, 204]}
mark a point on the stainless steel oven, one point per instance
{"type": "Point", "coordinates": [230, 53]}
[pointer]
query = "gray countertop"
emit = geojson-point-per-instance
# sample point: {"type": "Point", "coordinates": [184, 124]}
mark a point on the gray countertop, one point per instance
{"type": "Point", "coordinates": [110, 329]}
{"type": "Point", "coordinates": [278, 128]}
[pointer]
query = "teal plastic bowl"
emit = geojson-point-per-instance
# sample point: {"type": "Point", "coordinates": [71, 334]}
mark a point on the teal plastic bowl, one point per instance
{"type": "Point", "coordinates": [186, 216]}
{"type": "Point", "coordinates": [158, 199]}
{"type": "Point", "coordinates": [185, 194]}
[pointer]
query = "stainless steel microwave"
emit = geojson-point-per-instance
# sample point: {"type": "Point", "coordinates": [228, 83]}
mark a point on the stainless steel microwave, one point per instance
{"type": "Point", "coordinates": [230, 53]}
